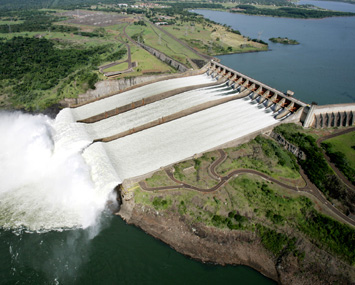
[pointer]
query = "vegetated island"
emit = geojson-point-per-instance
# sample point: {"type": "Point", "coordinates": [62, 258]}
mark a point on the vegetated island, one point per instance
{"type": "Point", "coordinates": [255, 204]}
{"type": "Point", "coordinates": [284, 41]}
{"type": "Point", "coordinates": [283, 8]}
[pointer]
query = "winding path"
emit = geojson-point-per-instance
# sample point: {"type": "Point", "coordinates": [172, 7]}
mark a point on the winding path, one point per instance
{"type": "Point", "coordinates": [128, 60]}
{"type": "Point", "coordinates": [309, 188]}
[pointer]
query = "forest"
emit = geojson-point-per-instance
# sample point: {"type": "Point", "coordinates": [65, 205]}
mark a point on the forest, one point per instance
{"type": "Point", "coordinates": [317, 168]}
{"type": "Point", "coordinates": [63, 4]}
{"type": "Point", "coordinates": [33, 21]}
{"type": "Point", "coordinates": [340, 161]}
{"type": "Point", "coordinates": [30, 66]}
{"type": "Point", "coordinates": [289, 12]}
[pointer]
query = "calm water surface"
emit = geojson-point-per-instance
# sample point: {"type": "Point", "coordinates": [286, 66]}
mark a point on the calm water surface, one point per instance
{"type": "Point", "coordinates": [330, 5]}
{"type": "Point", "coordinates": [119, 254]}
{"type": "Point", "coordinates": [320, 69]}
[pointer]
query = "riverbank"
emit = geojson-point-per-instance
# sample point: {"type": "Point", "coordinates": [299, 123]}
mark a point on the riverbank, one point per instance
{"type": "Point", "coordinates": [255, 218]}
{"type": "Point", "coordinates": [223, 246]}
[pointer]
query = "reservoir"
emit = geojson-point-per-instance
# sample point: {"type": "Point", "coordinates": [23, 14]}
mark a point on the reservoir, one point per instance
{"type": "Point", "coordinates": [320, 69]}
{"type": "Point", "coordinates": [110, 252]}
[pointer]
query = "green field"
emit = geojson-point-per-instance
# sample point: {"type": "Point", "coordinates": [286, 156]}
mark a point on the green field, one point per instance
{"type": "Point", "coordinates": [9, 22]}
{"type": "Point", "coordinates": [147, 63]}
{"type": "Point", "coordinates": [46, 89]}
{"type": "Point", "coordinates": [263, 155]}
{"type": "Point", "coordinates": [346, 145]}
{"type": "Point", "coordinates": [119, 67]}
{"type": "Point", "coordinates": [212, 39]}
{"type": "Point", "coordinates": [282, 218]}
{"type": "Point", "coordinates": [151, 36]}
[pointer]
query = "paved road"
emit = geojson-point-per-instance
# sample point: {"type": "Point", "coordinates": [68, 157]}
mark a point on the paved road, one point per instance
{"type": "Point", "coordinates": [128, 60]}
{"type": "Point", "coordinates": [310, 188]}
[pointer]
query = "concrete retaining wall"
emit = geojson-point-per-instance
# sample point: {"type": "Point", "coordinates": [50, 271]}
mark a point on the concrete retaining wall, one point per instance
{"type": "Point", "coordinates": [163, 57]}
{"type": "Point", "coordinates": [336, 115]}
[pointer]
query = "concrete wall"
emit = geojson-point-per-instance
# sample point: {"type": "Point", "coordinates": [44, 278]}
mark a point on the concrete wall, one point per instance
{"type": "Point", "coordinates": [163, 57]}
{"type": "Point", "coordinates": [260, 91]}
{"type": "Point", "coordinates": [336, 115]}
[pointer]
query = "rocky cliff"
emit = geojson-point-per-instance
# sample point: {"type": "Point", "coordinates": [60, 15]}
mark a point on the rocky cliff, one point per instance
{"type": "Point", "coordinates": [224, 246]}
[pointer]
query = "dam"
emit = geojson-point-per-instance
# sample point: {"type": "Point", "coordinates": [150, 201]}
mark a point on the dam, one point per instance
{"type": "Point", "coordinates": [152, 126]}
{"type": "Point", "coordinates": [94, 146]}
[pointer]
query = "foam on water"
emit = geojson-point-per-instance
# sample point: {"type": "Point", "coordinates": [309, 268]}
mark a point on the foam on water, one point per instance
{"type": "Point", "coordinates": [148, 150]}
{"type": "Point", "coordinates": [136, 94]}
{"type": "Point", "coordinates": [125, 121]}
{"type": "Point", "coordinates": [53, 177]}
{"type": "Point", "coordinates": [46, 183]}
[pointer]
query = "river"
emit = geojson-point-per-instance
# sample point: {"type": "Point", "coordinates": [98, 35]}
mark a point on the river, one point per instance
{"type": "Point", "coordinates": [320, 69]}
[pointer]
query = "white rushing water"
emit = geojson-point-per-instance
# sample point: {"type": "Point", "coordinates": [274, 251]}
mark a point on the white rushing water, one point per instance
{"type": "Point", "coordinates": [133, 118]}
{"type": "Point", "coordinates": [53, 177]}
{"type": "Point", "coordinates": [136, 94]}
{"type": "Point", "coordinates": [46, 183]}
{"type": "Point", "coordinates": [148, 150]}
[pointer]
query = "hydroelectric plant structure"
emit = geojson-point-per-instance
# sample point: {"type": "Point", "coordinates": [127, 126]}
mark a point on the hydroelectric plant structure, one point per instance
{"type": "Point", "coordinates": [161, 123]}
{"type": "Point", "coordinates": [124, 137]}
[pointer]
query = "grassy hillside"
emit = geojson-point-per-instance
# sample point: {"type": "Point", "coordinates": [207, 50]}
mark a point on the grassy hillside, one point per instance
{"type": "Point", "coordinates": [281, 218]}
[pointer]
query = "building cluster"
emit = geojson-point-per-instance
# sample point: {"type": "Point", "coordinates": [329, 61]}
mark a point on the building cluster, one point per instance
{"type": "Point", "coordinates": [141, 6]}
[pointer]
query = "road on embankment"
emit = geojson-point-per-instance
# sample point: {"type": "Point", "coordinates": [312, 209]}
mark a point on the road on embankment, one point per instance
{"type": "Point", "coordinates": [310, 188]}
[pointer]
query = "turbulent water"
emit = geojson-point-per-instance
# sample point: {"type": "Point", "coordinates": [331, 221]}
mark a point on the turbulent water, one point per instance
{"type": "Point", "coordinates": [136, 94]}
{"type": "Point", "coordinates": [48, 179]}
{"type": "Point", "coordinates": [156, 110]}
{"type": "Point", "coordinates": [168, 143]}
{"type": "Point", "coordinates": [54, 177]}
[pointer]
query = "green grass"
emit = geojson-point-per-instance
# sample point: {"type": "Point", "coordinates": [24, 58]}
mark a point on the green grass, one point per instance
{"type": "Point", "coordinates": [7, 22]}
{"type": "Point", "coordinates": [264, 155]}
{"type": "Point", "coordinates": [195, 172]}
{"type": "Point", "coordinates": [212, 39]}
{"type": "Point", "coordinates": [147, 63]}
{"type": "Point", "coordinates": [119, 67]}
{"type": "Point", "coordinates": [345, 144]}
{"type": "Point", "coordinates": [163, 43]}
{"type": "Point", "coordinates": [159, 179]}
{"type": "Point", "coordinates": [249, 203]}
{"type": "Point", "coordinates": [141, 197]}
{"type": "Point", "coordinates": [317, 169]}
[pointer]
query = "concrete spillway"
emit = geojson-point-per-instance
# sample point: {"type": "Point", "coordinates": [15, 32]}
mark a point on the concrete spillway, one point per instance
{"type": "Point", "coordinates": [217, 116]}
{"type": "Point", "coordinates": [156, 110]}
{"type": "Point", "coordinates": [128, 97]}
{"type": "Point", "coordinates": [165, 144]}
